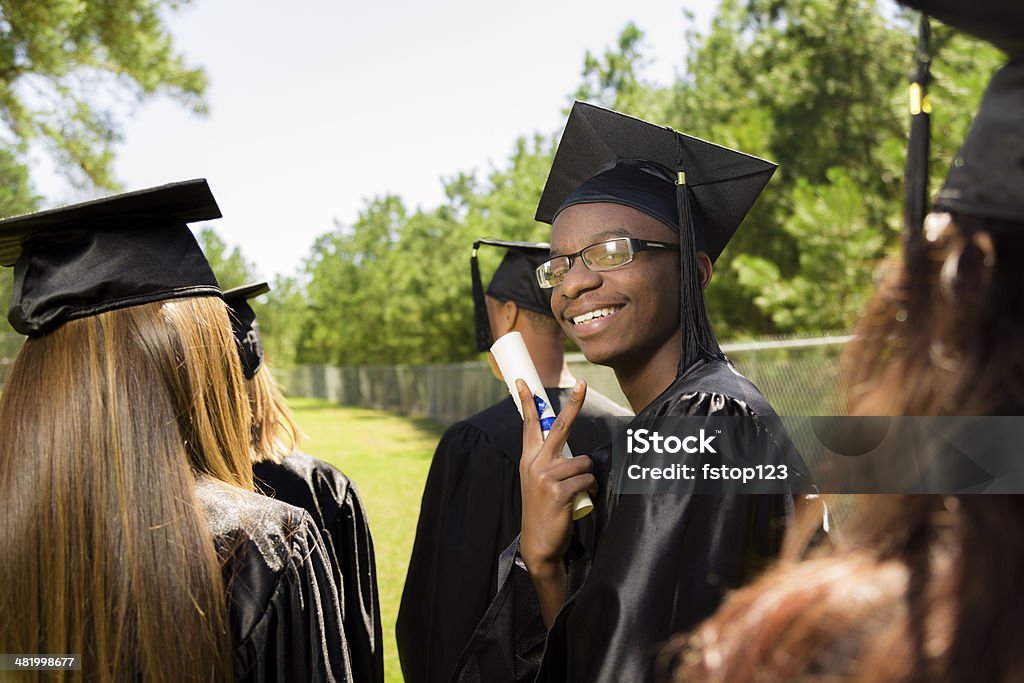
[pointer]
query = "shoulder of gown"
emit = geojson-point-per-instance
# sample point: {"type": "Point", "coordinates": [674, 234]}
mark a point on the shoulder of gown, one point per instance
{"type": "Point", "coordinates": [283, 604]}
{"type": "Point", "coordinates": [333, 501]}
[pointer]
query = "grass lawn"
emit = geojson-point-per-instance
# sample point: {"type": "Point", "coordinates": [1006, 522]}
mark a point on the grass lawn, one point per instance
{"type": "Point", "coordinates": [387, 457]}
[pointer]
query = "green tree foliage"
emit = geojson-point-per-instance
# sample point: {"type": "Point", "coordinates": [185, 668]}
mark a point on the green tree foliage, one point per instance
{"type": "Point", "coordinates": [614, 79]}
{"type": "Point", "coordinates": [394, 287]}
{"type": "Point", "coordinates": [283, 319]}
{"type": "Point", "coordinates": [834, 275]}
{"type": "Point", "coordinates": [16, 197]}
{"type": "Point", "coordinates": [282, 313]}
{"type": "Point", "coordinates": [66, 71]}
{"type": "Point", "coordinates": [820, 88]}
{"type": "Point", "coordinates": [348, 292]}
{"type": "Point", "coordinates": [66, 66]}
{"type": "Point", "coordinates": [816, 85]}
{"type": "Point", "coordinates": [229, 265]}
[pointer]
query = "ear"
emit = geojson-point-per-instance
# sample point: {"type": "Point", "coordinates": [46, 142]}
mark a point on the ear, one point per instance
{"type": "Point", "coordinates": [705, 269]}
{"type": "Point", "coordinates": [506, 318]}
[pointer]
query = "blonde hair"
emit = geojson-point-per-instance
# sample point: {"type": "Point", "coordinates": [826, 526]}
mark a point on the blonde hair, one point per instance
{"type": "Point", "coordinates": [106, 423]}
{"type": "Point", "coordinates": [274, 432]}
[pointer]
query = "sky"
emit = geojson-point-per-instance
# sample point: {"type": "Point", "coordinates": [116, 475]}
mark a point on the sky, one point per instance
{"type": "Point", "coordinates": [316, 106]}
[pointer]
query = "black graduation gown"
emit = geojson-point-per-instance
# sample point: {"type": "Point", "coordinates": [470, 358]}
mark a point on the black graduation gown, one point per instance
{"type": "Point", "coordinates": [332, 500]}
{"type": "Point", "coordinates": [660, 566]}
{"type": "Point", "coordinates": [470, 512]}
{"type": "Point", "coordinates": [283, 606]}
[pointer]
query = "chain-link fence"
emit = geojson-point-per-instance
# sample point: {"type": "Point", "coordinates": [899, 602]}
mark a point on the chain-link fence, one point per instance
{"type": "Point", "coordinates": [797, 375]}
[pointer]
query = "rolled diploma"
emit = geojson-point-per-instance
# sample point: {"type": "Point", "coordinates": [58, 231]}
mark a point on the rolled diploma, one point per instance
{"type": "Point", "coordinates": [515, 363]}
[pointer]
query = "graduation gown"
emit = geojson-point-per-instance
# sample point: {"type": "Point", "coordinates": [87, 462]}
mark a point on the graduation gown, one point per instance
{"type": "Point", "coordinates": [283, 606]}
{"type": "Point", "coordinates": [660, 565]}
{"type": "Point", "coordinates": [470, 512]}
{"type": "Point", "coordinates": [332, 500]}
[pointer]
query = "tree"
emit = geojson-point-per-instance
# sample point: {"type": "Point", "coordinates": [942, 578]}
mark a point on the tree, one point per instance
{"type": "Point", "coordinates": [65, 71]}
{"type": "Point", "coordinates": [62, 62]}
{"type": "Point", "coordinates": [231, 267]}
{"type": "Point", "coordinates": [614, 79]}
{"type": "Point", "coordinates": [819, 87]}
{"type": "Point", "coordinates": [283, 319]}
{"type": "Point", "coordinates": [349, 288]}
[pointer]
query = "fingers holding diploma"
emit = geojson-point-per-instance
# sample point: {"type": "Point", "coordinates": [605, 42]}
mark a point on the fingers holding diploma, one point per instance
{"type": "Point", "coordinates": [550, 484]}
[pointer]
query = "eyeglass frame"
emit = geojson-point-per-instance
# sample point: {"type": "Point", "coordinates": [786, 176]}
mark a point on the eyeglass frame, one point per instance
{"type": "Point", "coordinates": [635, 245]}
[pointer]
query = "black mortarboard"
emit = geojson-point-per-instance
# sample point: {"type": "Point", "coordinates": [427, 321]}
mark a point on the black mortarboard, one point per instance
{"type": "Point", "coordinates": [987, 176]}
{"type": "Point", "coordinates": [109, 253]}
{"type": "Point", "coordinates": [514, 280]}
{"type": "Point", "coordinates": [1000, 22]}
{"type": "Point", "coordinates": [605, 156]}
{"type": "Point", "coordinates": [245, 326]}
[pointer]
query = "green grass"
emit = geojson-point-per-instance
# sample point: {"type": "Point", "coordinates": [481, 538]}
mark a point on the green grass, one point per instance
{"type": "Point", "coordinates": [387, 457]}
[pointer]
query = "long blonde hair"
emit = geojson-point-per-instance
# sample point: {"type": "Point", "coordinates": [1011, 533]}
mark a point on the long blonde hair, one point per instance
{"type": "Point", "coordinates": [106, 423]}
{"type": "Point", "coordinates": [274, 432]}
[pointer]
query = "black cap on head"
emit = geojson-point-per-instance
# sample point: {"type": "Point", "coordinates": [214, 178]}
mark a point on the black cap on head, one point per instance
{"type": "Point", "coordinates": [245, 326]}
{"type": "Point", "coordinates": [605, 156]}
{"type": "Point", "coordinates": [105, 254]}
{"type": "Point", "coordinates": [987, 176]}
{"type": "Point", "coordinates": [988, 172]}
{"type": "Point", "coordinates": [1000, 22]}
{"type": "Point", "coordinates": [515, 280]}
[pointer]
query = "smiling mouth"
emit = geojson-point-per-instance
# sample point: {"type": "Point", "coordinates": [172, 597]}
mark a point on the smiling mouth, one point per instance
{"type": "Point", "coordinates": [596, 314]}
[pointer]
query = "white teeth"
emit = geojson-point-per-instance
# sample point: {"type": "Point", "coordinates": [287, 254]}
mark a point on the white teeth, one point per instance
{"type": "Point", "coordinates": [590, 315]}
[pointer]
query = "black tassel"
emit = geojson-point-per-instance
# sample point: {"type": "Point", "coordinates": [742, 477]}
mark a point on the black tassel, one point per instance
{"type": "Point", "coordinates": [915, 250]}
{"type": "Point", "coordinates": [484, 340]}
{"type": "Point", "coordinates": [916, 175]}
{"type": "Point", "coordinates": [699, 341]}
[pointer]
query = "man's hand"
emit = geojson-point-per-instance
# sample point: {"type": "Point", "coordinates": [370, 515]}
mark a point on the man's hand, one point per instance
{"type": "Point", "coordinates": [549, 485]}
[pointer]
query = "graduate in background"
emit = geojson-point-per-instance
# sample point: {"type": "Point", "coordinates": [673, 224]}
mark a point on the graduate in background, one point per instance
{"type": "Point", "coordinates": [918, 588]}
{"type": "Point", "coordinates": [131, 532]}
{"type": "Point", "coordinates": [283, 472]}
{"type": "Point", "coordinates": [639, 213]}
{"type": "Point", "coordinates": [471, 501]}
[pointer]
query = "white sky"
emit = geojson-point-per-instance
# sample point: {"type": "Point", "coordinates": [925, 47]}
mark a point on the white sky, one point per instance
{"type": "Point", "coordinates": [316, 106]}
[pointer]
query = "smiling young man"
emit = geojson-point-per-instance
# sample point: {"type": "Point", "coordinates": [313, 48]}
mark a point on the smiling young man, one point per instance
{"type": "Point", "coordinates": [639, 214]}
{"type": "Point", "coordinates": [471, 509]}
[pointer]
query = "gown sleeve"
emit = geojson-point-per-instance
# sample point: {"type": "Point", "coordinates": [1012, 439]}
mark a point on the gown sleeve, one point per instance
{"type": "Point", "coordinates": [469, 512]}
{"type": "Point", "coordinates": [348, 535]}
{"type": "Point", "coordinates": [296, 633]}
{"type": "Point", "coordinates": [333, 501]}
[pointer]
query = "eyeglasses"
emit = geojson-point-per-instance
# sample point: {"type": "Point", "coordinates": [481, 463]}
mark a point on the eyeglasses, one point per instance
{"type": "Point", "coordinates": [606, 255]}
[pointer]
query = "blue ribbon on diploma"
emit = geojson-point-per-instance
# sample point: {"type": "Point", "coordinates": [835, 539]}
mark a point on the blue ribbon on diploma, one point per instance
{"type": "Point", "coordinates": [545, 422]}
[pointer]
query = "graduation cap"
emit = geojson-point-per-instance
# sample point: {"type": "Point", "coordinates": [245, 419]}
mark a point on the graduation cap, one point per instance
{"type": "Point", "coordinates": [988, 172]}
{"type": "Point", "coordinates": [698, 188]}
{"type": "Point", "coordinates": [245, 326]}
{"type": "Point", "coordinates": [109, 253]}
{"type": "Point", "coordinates": [1000, 22]}
{"type": "Point", "coordinates": [514, 280]}
{"type": "Point", "coordinates": [987, 175]}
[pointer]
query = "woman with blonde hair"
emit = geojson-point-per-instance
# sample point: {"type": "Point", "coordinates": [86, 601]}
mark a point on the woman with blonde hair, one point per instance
{"type": "Point", "coordinates": [284, 472]}
{"type": "Point", "coordinates": [132, 537]}
{"type": "Point", "coordinates": [918, 588]}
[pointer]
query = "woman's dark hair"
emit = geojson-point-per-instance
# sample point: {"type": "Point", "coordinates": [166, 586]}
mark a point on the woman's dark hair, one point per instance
{"type": "Point", "coordinates": [915, 588]}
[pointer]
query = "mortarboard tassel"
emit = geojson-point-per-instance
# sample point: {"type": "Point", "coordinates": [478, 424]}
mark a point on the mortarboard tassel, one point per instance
{"type": "Point", "coordinates": [699, 342]}
{"type": "Point", "coordinates": [480, 319]}
{"type": "Point", "coordinates": [916, 177]}
{"type": "Point", "coordinates": [916, 172]}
